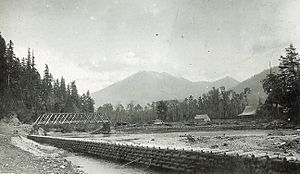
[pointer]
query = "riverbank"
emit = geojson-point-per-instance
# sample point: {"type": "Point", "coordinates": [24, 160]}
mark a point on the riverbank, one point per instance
{"type": "Point", "coordinates": [20, 155]}
{"type": "Point", "coordinates": [283, 142]}
{"type": "Point", "coordinates": [183, 160]}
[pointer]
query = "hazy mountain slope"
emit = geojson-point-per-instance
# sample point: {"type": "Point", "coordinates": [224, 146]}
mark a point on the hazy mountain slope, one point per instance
{"type": "Point", "coordinates": [148, 86]}
{"type": "Point", "coordinates": [255, 84]}
{"type": "Point", "coordinates": [205, 86]}
{"type": "Point", "coordinates": [144, 87]}
{"type": "Point", "coordinates": [228, 82]}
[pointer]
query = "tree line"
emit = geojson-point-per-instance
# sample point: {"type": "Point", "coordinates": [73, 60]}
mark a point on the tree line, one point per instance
{"type": "Point", "coordinates": [218, 103]}
{"type": "Point", "coordinates": [28, 94]}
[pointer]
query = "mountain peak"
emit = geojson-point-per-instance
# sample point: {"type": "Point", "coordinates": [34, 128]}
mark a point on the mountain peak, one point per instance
{"type": "Point", "coordinates": [227, 78]}
{"type": "Point", "coordinates": [147, 72]}
{"type": "Point", "coordinates": [144, 72]}
{"type": "Point", "coordinates": [148, 86]}
{"type": "Point", "coordinates": [155, 75]}
{"type": "Point", "coordinates": [227, 81]}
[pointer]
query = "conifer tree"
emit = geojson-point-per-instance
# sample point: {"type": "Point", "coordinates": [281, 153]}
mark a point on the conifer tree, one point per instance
{"type": "Point", "coordinates": [161, 110]}
{"type": "Point", "coordinates": [90, 102]}
{"type": "Point", "coordinates": [283, 88]}
{"type": "Point", "coordinates": [46, 89]}
{"type": "Point", "coordinates": [75, 97]}
{"type": "Point", "coordinates": [63, 94]}
{"type": "Point", "coordinates": [3, 65]}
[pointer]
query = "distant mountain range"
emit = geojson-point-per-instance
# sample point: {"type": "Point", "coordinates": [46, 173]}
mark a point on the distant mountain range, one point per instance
{"type": "Point", "coordinates": [148, 86]}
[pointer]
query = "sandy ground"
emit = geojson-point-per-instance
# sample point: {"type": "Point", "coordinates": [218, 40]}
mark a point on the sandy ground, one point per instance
{"type": "Point", "coordinates": [285, 143]}
{"type": "Point", "coordinates": [20, 155]}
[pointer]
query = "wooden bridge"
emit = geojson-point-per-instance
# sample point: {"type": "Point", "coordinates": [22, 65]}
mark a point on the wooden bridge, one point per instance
{"type": "Point", "coordinates": [73, 121]}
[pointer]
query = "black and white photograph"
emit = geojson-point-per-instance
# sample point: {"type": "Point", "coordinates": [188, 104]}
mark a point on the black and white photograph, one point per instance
{"type": "Point", "coordinates": [149, 86]}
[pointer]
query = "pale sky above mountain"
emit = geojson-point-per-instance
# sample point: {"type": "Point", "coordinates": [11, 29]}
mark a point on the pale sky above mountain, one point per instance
{"type": "Point", "coordinates": [100, 42]}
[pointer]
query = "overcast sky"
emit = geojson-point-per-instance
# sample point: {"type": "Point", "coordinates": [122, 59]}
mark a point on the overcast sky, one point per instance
{"type": "Point", "coordinates": [100, 42]}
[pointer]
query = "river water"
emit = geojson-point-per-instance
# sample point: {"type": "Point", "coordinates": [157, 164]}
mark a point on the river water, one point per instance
{"type": "Point", "coordinates": [93, 165]}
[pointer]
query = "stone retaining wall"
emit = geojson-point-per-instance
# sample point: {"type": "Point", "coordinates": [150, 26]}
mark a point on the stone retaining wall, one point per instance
{"type": "Point", "coordinates": [175, 159]}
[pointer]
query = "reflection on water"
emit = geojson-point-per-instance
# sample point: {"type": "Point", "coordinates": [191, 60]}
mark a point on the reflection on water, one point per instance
{"type": "Point", "coordinates": [92, 165]}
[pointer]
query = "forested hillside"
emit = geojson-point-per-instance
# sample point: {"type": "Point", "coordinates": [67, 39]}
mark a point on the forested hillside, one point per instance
{"type": "Point", "coordinates": [28, 94]}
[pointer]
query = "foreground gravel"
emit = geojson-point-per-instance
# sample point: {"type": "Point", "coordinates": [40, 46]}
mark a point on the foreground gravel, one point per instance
{"type": "Point", "coordinates": [20, 155]}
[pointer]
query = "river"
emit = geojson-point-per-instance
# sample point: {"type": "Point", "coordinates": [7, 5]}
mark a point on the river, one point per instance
{"type": "Point", "coordinates": [93, 165]}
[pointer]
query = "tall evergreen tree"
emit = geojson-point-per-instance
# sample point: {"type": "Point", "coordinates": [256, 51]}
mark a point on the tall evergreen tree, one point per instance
{"type": "Point", "coordinates": [63, 94]}
{"type": "Point", "coordinates": [3, 65]}
{"type": "Point", "coordinates": [69, 104]}
{"type": "Point", "coordinates": [75, 97]}
{"type": "Point", "coordinates": [46, 89]}
{"type": "Point", "coordinates": [90, 102]}
{"type": "Point", "coordinates": [283, 88]}
{"type": "Point", "coordinates": [161, 110]}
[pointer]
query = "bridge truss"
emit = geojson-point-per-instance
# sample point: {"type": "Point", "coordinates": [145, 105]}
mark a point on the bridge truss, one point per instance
{"type": "Point", "coordinates": [72, 120]}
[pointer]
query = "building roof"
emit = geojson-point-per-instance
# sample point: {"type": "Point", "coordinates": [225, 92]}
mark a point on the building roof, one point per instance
{"type": "Point", "coordinates": [249, 111]}
{"type": "Point", "coordinates": [204, 116]}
